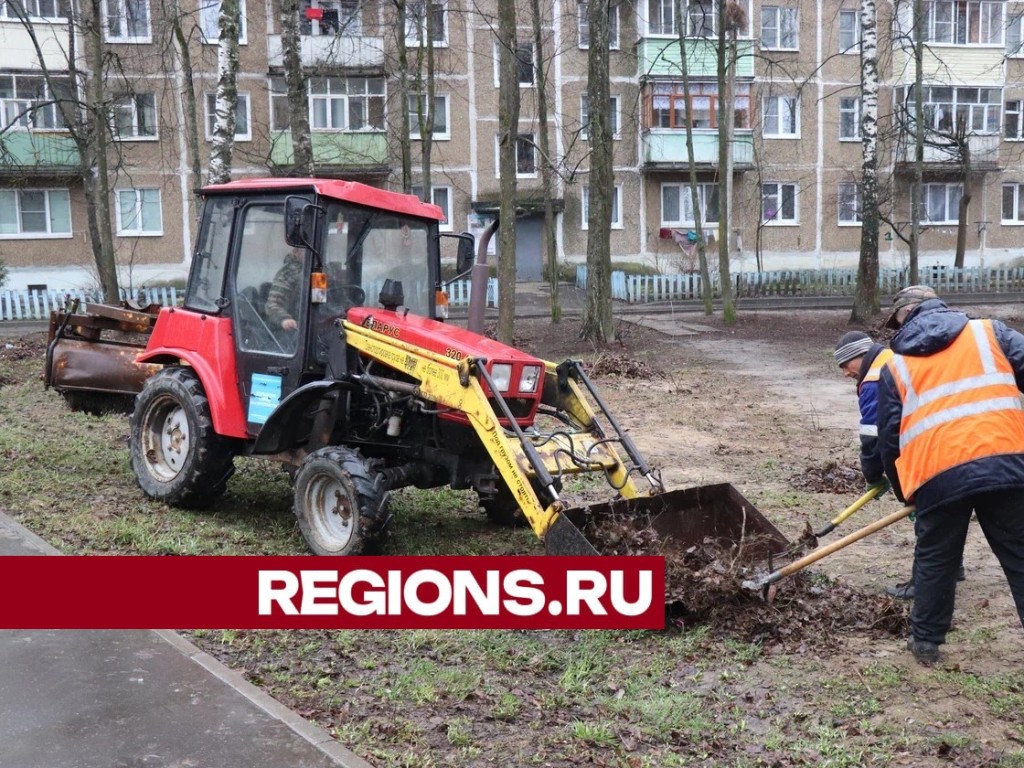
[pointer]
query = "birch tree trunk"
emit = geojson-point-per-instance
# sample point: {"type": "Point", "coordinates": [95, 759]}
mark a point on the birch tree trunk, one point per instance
{"type": "Point", "coordinates": [223, 140]}
{"type": "Point", "coordinates": [865, 302]}
{"type": "Point", "coordinates": [598, 323]}
{"type": "Point", "coordinates": [508, 127]}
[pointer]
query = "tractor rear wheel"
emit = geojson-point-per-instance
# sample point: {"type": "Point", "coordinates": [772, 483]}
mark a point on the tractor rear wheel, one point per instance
{"type": "Point", "coordinates": [503, 509]}
{"type": "Point", "coordinates": [177, 456]}
{"type": "Point", "coordinates": [340, 501]}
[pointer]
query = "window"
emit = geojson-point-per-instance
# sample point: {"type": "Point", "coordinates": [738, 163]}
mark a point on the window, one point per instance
{"type": "Point", "coordinates": [850, 208]}
{"type": "Point", "coordinates": [243, 132]}
{"type": "Point", "coordinates": [1013, 204]}
{"type": "Point", "coordinates": [677, 204]}
{"type": "Point", "coordinates": [28, 102]}
{"type": "Point", "coordinates": [778, 203]}
{"type": "Point", "coordinates": [779, 28]}
{"type": "Point", "coordinates": [781, 117]}
{"type": "Point", "coordinates": [945, 108]}
{"type": "Point", "coordinates": [36, 9]}
{"type": "Point", "coordinates": [701, 18]}
{"type": "Point", "coordinates": [442, 198]}
{"type": "Point", "coordinates": [665, 106]}
{"type": "Point", "coordinates": [1015, 35]}
{"type": "Point", "coordinates": [127, 21]}
{"type": "Point", "coordinates": [661, 17]}
{"type": "Point", "coordinates": [209, 20]}
{"type": "Point", "coordinates": [524, 63]}
{"type": "Point", "coordinates": [613, 117]}
{"type": "Point", "coordinates": [346, 104]}
{"type": "Point", "coordinates": [35, 213]}
{"type": "Point", "coordinates": [138, 212]}
{"type": "Point", "coordinates": [583, 25]}
{"type": "Point", "coordinates": [849, 32]}
{"type": "Point", "coordinates": [135, 116]}
{"type": "Point", "coordinates": [421, 14]}
{"type": "Point", "coordinates": [526, 156]}
{"type": "Point", "coordinates": [1013, 127]}
{"type": "Point", "coordinates": [338, 18]}
{"type": "Point", "coordinates": [616, 207]}
{"type": "Point", "coordinates": [280, 112]}
{"type": "Point", "coordinates": [963, 22]}
{"type": "Point", "coordinates": [940, 203]}
{"type": "Point", "coordinates": [849, 119]}
{"type": "Point", "coordinates": [417, 104]}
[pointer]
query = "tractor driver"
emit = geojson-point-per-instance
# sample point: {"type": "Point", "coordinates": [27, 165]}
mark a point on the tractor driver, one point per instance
{"type": "Point", "coordinates": [282, 303]}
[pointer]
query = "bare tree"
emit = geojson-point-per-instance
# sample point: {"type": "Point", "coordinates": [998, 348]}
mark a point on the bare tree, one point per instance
{"type": "Point", "coordinates": [730, 18]}
{"type": "Point", "coordinates": [508, 145]}
{"type": "Point", "coordinates": [866, 303]}
{"type": "Point", "coordinates": [188, 98]}
{"type": "Point", "coordinates": [546, 170]}
{"type": "Point", "coordinates": [226, 102]}
{"type": "Point", "coordinates": [598, 323]}
{"type": "Point", "coordinates": [298, 101]}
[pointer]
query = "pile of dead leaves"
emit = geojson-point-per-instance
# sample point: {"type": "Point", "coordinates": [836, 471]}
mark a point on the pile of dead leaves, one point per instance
{"type": "Point", "coordinates": [612, 364]}
{"type": "Point", "coordinates": [830, 477]}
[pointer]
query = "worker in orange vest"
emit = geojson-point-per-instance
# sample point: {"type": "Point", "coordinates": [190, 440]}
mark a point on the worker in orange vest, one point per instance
{"type": "Point", "coordinates": [951, 438]}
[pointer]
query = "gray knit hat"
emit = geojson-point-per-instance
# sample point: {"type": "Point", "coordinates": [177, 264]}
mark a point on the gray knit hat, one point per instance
{"type": "Point", "coordinates": [852, 345]}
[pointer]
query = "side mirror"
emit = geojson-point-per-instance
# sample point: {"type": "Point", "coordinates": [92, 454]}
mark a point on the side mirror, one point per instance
{"type": "Point", "coordinates": [465, 256]}
{"type": "Point", "coordinates": [299, 221]}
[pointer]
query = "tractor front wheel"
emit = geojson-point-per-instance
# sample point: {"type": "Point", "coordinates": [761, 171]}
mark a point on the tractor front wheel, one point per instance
{"type": "Point", "coordinates": [177, 456]}
{"type": "Point", "coordinates": [340, 501]}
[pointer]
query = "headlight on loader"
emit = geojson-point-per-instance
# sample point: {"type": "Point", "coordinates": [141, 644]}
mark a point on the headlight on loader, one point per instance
{"type": "Point", "coordinates": [529, 378]}
{"type": "Point", "coordinates": [501, 373]}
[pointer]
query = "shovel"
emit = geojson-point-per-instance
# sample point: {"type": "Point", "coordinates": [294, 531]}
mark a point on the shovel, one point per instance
{"type": "Point", "coordinates": [872, 492]}
{"type": "Point", "coordinates": [828, 549]}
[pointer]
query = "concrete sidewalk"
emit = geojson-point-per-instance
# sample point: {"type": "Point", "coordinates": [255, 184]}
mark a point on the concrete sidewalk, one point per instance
{"type": "Point", "coordinates": [143, 699]}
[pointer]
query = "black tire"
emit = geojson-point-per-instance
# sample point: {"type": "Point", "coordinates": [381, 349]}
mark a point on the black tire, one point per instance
{"type": "Point", "coordinates": [502, 509]}
{"type": "Point", "coordinates": [177, 456]}
{"type": "Point", "coordinates": [341, 502]}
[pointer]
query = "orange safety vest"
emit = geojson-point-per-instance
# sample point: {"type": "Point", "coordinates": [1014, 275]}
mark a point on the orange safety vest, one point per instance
{"type": "Point", "coordinates": [960, 404]}
{"type": "Point", "coordinates": [875, 371]}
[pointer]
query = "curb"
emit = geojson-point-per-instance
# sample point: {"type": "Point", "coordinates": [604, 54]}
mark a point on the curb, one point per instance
{"type": "Point", "coordinates": [313, 734]}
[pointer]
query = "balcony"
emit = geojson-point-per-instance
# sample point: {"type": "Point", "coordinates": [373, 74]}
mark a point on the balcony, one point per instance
{"type": "Point", "coordinates": [358, 53]}
{"type": "Point", "coordinates": [36, 153]}
{"type": "Point", "coordinates": [18, 50]}
{"type": "Point", "coordinates": [659, 57]}
{"type": "Point", "coordinates": [363, 153]}
{"type": "Point", "coordinates": [666, 150]}
{"type": "Point", "coordinates": [941, 156]}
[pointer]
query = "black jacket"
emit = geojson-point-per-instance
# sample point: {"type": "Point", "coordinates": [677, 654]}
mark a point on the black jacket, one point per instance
{"type": "Point", "coordinates": [930, 328]}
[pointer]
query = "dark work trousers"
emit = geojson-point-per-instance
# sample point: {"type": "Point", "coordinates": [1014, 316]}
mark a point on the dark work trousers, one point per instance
{"type": "Point", "coordinates": [941, 532]}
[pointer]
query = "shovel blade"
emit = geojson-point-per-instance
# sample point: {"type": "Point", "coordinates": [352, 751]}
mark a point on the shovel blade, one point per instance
{"type": "Point", "coordinates": [715, 514]}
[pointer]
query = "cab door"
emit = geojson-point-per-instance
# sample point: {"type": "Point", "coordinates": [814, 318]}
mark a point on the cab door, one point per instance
{"type": "Point", "coordinates": [268, 283]}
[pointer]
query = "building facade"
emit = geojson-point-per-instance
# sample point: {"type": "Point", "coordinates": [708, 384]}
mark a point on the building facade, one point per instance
{"type": "Point", "coordinates": [795, 110]}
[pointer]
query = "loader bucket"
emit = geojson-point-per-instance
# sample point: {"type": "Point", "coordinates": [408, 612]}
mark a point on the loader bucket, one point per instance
{"type": "Point", "coordinates": [718, 515]}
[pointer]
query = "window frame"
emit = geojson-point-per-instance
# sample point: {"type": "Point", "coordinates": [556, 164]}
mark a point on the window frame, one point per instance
{"type": "Point", "coordinates": [583, 23]}
{"type": "Point", "coordinates": [977, 16]}
{"type": "Point", "coordinates": [856, 136]}
{"type": "Point", "coordinates": [209, 106]}
{"type": "Point", "coordinates": [699, 89]}
{"type": "Point", "coordinates": [616, 117]}
{"type": "Point", "coordinates": [414, 122]}
{"type": "Point", "coordinates": [776, 221]}
{"type": "Point", "coordinates": [617, 221]}
{"type": "Point", "coordinates": [704, 194]}
{"type": "Point", "coordinates": [447, 225]}
{"type": "Point", "coordinates": [854, 47]}
{"type": "Point", "coordinates": [207, 25]}
{"type": "Point", "coordinates": [858, 205]}
{"type": "Point", "coordinates": [522, 140]}
{"type": "Point", "coordinates": [416, 25]}
{"type": "Point", "coordinates": [4, 15]}
{"type": "Point", "coordinates": [779, 11]}
{"type": "Point", "coordinates": [49, 234]}
{"type": "Point", "coordinates": [1018, 204]}
{"type": "Point", "coordinates": [347, 97]}
{"type": "Point", "coordinates": [118, 107]}
{"type": "Point", "coordinates": [122, 8]}
{"type": "Point", "coordinates": [765, 112]}
{"type": "Point", "coordinates": [121, 230]}
{"type": "Point", "coordinates": [24, 116]}
{"type": "Point", "coordinates": [948, 202]}
{"type": "Point", "coordinates": [1019, 112]}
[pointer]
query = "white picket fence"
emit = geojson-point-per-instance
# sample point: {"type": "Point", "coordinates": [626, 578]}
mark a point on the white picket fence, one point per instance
{"type": "Point", "coordinates": [36, 305]}
{"type": "Point", "coordinates": [679, 287]}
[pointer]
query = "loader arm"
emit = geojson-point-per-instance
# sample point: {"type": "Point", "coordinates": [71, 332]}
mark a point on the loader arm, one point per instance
{"type": "Point", "coordinates": [519, 458]}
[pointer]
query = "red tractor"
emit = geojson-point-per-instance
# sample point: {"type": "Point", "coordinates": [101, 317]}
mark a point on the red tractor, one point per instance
{"type": "Point", "coordinates": [312, 333]}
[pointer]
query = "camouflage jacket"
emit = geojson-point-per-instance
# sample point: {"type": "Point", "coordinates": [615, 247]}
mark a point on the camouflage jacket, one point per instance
{"type": "Point", "coordinates": [283, 297]}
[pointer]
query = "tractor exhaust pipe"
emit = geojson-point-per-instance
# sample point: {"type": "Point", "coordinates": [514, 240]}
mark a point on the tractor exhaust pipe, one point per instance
{"type": "Point", "coordinates": [478, 281]}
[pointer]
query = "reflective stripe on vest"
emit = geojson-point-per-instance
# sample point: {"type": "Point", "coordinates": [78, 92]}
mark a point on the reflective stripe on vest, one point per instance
{"type": "Point", "coordinates": [959, 404]}
{"type": "Point", "coordinates": [875, 371]}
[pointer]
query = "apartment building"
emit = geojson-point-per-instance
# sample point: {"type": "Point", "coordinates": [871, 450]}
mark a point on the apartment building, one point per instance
{"type": "Point", "coordinates": [795, 152]}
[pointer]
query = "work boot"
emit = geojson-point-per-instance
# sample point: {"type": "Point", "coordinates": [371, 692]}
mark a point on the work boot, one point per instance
{"type": "Point", "coordinates": [926, 653]}
{"type": "Point", "coordinates": [961, 575]}
{"type": "Point", "coordinates": [902, 591]}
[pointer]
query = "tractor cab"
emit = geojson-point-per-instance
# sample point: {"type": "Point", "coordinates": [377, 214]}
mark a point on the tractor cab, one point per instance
{"type": "Point", "coordinates": [284, 264]}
